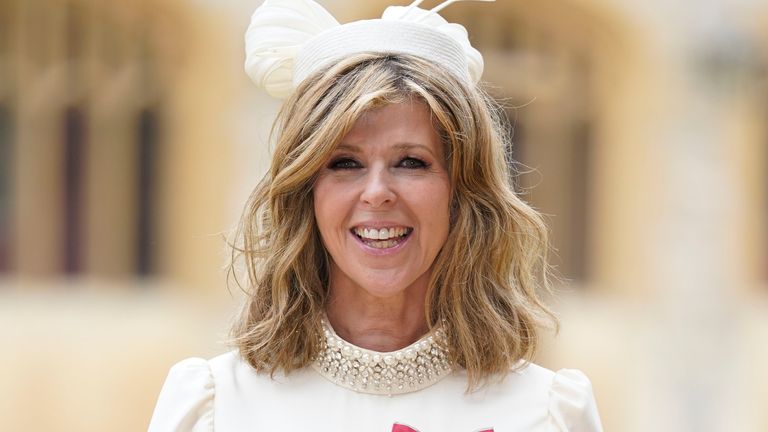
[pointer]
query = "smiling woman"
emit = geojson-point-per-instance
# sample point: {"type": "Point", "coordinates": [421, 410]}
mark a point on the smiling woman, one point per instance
{"type": "Point", "coordinates": [382, 209]}
{"type": "Point", "coordinates": [387, 252]}
{"type": "Point", "coordinates": [404, 145]}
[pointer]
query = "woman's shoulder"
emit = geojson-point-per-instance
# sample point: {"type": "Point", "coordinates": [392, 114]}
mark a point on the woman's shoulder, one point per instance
{"type": "Point", "coordinates": [228, 362]}
{"type": "Point", "coordinates": [568, 394]}
{"type": "Point", "coordinates": [208, 372]}
{"type": "Point", "coordinates": [554, 380]}
{"type": "Point", "coordinates": [187, 398]}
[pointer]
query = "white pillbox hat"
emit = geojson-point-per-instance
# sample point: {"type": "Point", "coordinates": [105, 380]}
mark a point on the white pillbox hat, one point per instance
{"type": "Point", "coordinates": [288, 40]}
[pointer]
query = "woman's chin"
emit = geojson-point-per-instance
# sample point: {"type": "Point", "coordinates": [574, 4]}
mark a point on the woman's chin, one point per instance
{"type": "Point", "coordinates": [382, 289]}
{"type": "Point", "coordinates": [388, 287]}
{"type": "Point", "coordinates": [380, 283]}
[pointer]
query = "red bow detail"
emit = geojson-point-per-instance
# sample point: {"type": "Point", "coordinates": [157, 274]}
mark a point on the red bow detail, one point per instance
{"type": "Point", "coordinates": [397, 427]}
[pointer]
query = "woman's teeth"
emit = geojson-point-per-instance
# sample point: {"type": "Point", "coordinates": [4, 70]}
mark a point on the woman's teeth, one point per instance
{"type": "Point", "coordinates": [380, 234]}
{"type": "Point", "coordinates": [382, 238]}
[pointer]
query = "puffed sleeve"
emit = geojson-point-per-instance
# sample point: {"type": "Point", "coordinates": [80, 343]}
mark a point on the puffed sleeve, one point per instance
{"type": "Point", "coordinates": [572, 406]}
{"type": "Point", "coordinates": [185, 403]}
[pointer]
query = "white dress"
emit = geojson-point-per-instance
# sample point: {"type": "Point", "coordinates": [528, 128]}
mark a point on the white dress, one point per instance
{"type": "Point", "coordinates": [225, 394]}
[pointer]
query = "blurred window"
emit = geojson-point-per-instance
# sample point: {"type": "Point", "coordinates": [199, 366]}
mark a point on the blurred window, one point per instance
{"type": "Point", "coordinates": [553, 176]}
{"type": "Point", "coordinates": [148, 143]}
{"type": "Point", "coordinates": [74, 162]}
{"type": "Point", "coordinates": [540, 69]}
{"type": "Point", "coordinates": [7, 12]}
{"type": "Point", "coordinates": [96, 132]}
{"type": "Point", "coordinates": [6, 141]}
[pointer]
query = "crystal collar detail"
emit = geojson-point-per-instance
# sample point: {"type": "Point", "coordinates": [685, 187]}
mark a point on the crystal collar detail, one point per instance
{"type": "Point", "coordinates": [410, 369]}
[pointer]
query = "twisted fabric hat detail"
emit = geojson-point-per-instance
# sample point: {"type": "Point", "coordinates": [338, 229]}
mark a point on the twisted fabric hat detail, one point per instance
{"type": "Point", "coordinates": [288, 40]}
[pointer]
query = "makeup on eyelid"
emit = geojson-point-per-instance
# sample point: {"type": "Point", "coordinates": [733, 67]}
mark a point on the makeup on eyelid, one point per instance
{"type": "Point", "coordinates": [351, 163]}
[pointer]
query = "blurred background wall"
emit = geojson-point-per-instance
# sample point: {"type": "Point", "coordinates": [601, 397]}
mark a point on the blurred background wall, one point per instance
{"type": "Point", "coordinates": [130, 138]}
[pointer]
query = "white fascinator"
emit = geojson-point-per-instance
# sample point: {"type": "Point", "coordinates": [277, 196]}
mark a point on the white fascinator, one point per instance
{"type": "Point", "coordinates": [288, 40]}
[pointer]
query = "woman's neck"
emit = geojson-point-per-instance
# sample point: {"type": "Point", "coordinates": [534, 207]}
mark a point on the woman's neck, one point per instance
{"type": "Point", "coordinates": [378, 324]}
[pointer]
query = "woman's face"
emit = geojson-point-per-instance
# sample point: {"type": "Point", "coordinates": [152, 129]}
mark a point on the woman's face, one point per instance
{"type": "Point", "coordinates": [382, 201]}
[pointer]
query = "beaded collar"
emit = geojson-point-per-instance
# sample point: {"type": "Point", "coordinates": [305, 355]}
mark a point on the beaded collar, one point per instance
{"type": "Point", "coordinates": [410, 369]}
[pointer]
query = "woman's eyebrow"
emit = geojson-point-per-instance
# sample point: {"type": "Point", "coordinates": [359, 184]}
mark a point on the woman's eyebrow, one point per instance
{"type": "Point", "coordinates": [348, 147]}
{"type": "Point", "coordinates": [400, 147]}
{"type": "Point", "coordinates": [409, 146]}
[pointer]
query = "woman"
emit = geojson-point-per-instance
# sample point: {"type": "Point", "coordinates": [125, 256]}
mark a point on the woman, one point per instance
{"type": "Point", "coordinates": [392, 269]}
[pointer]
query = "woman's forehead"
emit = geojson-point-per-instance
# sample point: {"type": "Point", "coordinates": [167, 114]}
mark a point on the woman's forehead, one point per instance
{"type": "Point", "coordinates": [406, 123]}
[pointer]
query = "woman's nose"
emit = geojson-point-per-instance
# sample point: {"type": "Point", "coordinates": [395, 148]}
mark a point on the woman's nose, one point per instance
{"type": "Point", "coordinates": [378, 188]}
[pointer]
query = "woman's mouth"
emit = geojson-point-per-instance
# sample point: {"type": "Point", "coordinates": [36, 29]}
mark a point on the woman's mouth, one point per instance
{"type": "Point", "coordinates": [382, 238]}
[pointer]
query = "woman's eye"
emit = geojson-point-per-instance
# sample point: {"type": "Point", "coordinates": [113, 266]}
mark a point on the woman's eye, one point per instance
{"type": "Point", "coordinates": [343, 163]}
{"type": "Point", "coordinates": [412, 163]}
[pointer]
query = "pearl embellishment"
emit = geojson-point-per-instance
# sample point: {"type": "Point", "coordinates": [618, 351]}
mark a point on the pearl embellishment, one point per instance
{"type": "Point", "coordinates": [410, 369]}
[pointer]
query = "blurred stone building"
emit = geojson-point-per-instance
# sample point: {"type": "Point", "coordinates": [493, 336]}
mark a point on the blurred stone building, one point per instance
{"type": "Point", "coordinates": [130, 138]}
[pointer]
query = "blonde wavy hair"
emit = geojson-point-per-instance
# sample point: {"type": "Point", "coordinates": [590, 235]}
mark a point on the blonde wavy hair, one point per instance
{"type": "Point", "coordinates": [483, 289]}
